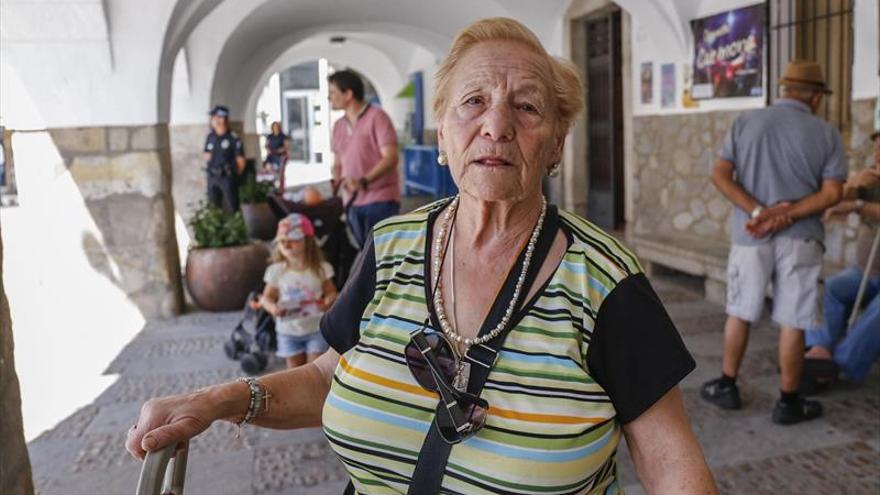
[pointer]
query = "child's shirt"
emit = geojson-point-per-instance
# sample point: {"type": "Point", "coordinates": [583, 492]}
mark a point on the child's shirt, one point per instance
{"type": "Point", "coordinates": [299, 292]}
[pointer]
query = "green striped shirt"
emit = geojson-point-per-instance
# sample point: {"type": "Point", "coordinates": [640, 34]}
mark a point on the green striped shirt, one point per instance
{"type": "Point", "coordinates": [553, 426]}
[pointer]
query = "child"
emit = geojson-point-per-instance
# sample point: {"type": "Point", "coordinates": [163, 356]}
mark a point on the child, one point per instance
{"type": "Point", "coordinates": [299, 288]}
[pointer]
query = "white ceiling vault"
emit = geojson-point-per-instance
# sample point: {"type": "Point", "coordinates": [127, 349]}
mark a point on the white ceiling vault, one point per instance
{"type": "Point", "coordinates": [118, 67]}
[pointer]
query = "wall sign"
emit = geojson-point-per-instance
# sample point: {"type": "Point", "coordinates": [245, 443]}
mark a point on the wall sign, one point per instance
{"type": "Point", "coordinates": [729, 53]}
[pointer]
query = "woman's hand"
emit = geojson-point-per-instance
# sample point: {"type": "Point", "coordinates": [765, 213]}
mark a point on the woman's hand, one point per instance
{"type": "Point", "coordinates": [171, 420]}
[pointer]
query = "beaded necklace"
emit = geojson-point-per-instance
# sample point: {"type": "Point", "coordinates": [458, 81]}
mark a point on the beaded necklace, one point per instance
{"type": "Point", "coordinates": [437, 262]}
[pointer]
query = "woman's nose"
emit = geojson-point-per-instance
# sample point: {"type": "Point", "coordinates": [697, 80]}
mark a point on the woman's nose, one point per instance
{"type": "Point", "coordinates": [498, 123]}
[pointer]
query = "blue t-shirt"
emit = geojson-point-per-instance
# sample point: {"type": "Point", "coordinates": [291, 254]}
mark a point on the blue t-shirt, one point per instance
{"type": "Point", "coordinates": [275, 142]}
{"type": "Point", "coordinates": [782, 153]}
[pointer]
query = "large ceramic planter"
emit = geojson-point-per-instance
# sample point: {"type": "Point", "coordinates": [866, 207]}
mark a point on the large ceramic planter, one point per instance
{"type": "Point", "coordinates": [261, 222]}
{"type": "Point", "coordinates": [219, 279]}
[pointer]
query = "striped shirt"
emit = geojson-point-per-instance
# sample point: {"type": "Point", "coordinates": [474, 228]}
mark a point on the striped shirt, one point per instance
{"type": "Point", "coordinates": [556, 407]}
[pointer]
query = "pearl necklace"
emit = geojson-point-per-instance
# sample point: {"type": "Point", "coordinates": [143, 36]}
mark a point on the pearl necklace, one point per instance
{"type": "Point", "coordinates": [437, 263]}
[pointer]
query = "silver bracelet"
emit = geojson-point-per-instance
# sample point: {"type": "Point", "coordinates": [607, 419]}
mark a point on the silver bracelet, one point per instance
{"type": "Point", "coordinates": [259, 399]}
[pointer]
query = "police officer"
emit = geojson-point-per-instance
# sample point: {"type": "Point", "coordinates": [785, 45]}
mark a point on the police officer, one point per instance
{"type": "Point", "coordinates": [225, 156]}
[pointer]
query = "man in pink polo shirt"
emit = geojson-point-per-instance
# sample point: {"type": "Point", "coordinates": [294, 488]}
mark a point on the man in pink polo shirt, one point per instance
{"type": "Point", "coordinates": [364, 143]}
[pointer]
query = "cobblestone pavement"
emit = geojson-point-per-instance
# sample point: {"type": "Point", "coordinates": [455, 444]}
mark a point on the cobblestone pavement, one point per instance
{"type": "Point", "coordinates": [84, 454]}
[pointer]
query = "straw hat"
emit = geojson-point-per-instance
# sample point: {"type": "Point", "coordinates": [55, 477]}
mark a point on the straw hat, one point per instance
{"type": "Point", "coordinates": [804, 74]}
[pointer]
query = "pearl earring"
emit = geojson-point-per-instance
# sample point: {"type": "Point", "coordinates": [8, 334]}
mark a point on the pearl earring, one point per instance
{"type": "Point", "coordinates": [442, 159]}
{"type": "Point", "coordinates": [553, 171]}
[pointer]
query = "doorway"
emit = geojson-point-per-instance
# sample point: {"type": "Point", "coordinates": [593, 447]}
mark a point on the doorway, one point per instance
{"type": "Point", "coordinates": [605, 158]}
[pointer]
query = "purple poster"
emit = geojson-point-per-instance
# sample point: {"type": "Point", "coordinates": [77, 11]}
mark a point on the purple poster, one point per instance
{"type": "Point", "coordinates": [667, 85]}
{"type": "Point", "coordinates": [729, 53]}
{"type": "Point", "coordinates": [647, 83]}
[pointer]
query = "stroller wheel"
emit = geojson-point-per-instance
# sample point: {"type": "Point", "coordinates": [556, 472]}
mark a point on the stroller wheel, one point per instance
{"type": "Point", "coordinates": [253, 363]}
{"type": "Point", "coordinates": [233, 349]}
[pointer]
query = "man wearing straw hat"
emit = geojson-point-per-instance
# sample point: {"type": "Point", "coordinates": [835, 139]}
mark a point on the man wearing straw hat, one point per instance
{"type": "Point", "coordinates": [781, 167]}
{"type": "Point", "coordinates": [846, 344]}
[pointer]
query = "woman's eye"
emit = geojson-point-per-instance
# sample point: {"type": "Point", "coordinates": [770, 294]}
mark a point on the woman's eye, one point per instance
{"type": "Point", "coordinates": [474, 100]}
{"type": "Point", "coordinates": [528, 107]}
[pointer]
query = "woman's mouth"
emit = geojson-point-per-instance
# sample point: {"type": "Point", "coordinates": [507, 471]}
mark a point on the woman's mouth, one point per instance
{"type": "Point", "coordinates": [492, 161]}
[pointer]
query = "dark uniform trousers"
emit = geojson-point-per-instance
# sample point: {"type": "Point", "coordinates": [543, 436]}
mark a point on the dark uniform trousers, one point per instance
{"type": "Point", "coordinates": [223, 189]}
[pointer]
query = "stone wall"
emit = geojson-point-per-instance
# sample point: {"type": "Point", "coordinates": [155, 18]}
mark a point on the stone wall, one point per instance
{"type": "Point", "coordinates": [840, 235]}
{"type": "Point", "coordinates": [861, 149]}
{"type": "Point", "coordinates": [672, 194]}
{"type": "Point", "coordinates": [188, 168]}
{"type": "Point", "coordinates": [15, 466]}
{"type": "Point", "coordinates": [124, 177]}
{"type": "Point", "coordinates": [674, 198]}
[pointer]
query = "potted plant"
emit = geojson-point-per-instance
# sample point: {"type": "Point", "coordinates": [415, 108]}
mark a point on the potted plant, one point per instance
{"type": "Point", "coordinates": [223, 266]}
{"type": "Point", "coordinates": [258, 216]}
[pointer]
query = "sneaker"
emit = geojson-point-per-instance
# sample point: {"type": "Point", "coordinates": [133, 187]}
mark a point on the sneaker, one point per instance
{"type": "Point", "coordinates": [791, 413]}
{"type": "Point", "coordinates": [723, 397]}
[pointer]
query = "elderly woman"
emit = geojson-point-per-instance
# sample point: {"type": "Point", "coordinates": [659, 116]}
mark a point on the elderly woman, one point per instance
{"type": "Point", "coordinates": [487, 343]}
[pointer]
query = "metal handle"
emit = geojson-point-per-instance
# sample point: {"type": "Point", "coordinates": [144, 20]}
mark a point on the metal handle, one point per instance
{"type": "Point", "coordinates": [163, 472]}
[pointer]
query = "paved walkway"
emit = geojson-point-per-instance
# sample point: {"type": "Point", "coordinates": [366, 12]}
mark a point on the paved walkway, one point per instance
{"type": "Point", "coordinates": [84, 454]}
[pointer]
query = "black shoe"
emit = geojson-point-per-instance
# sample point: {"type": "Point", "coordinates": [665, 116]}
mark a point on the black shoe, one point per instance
{"type": "Point", "coordinates": [723, 397]}
{"type": "Point", "coordinates": [789, 413]}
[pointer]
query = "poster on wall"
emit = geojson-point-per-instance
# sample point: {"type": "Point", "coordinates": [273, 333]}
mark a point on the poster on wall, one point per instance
{"type": "Point", "coordinates": [667, 85]}
{"type": "Point", "coordinates": [647, 82]}
{"type": "Point", "coordinates": [729, 53]}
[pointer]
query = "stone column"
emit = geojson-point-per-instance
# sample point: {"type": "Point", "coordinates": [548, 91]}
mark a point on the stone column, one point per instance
{"type": "Point", "coordinates": [124, 177]}
{"type": "Point", "coordinates": [15, 466]}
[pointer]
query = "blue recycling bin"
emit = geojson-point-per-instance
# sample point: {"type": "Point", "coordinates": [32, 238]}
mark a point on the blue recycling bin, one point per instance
{"type": "Point", "coordinates": [423, 175]}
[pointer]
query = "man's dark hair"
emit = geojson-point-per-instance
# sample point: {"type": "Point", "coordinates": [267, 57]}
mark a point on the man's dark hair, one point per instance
{"type": "Point", "coordinates": [347, 80]}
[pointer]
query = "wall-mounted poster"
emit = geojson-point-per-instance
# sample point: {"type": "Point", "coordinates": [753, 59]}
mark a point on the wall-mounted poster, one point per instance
{"type": "Point", "coordinates": [729, 53]}
{"type": "Point", "coordinates": [667, 85]}
{"type": "Point", "coordinates": [647, 83]}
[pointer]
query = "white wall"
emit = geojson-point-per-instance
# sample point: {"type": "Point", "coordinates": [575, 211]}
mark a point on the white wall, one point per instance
{"type": "Point", "coordinates": [86, 63]}
{"type": "Point", "coordinates": [382, 71]}
{"type": "Point", "coordinates": [866, 83]}
{"type": "Point", "coordinates": [648, 47]}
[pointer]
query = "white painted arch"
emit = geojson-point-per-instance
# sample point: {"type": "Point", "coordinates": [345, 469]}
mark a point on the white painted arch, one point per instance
{"type": "Point", "coordinates": [382, 72]}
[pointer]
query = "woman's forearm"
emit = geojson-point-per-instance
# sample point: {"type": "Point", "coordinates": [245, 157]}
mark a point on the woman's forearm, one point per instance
{"type": "Point", "coordinates": [296, 396]}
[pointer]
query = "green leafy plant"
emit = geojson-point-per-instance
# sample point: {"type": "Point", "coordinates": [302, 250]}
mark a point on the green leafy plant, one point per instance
{"type": "Point", "coordinates": [214, 228]}
{"type": "Point", "coordinates": [252, 191]}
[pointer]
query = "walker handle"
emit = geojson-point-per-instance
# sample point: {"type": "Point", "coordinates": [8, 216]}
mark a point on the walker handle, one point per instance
{"type": "Point", "coordinates": [163, 472]}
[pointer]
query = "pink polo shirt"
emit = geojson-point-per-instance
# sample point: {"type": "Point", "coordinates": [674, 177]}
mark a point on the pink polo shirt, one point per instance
{"type": "Point", "coordinates": [358, 148]}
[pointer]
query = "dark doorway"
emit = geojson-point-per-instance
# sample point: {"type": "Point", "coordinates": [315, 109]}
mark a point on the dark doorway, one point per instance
{"type": "Point", "coordinates": [605, 200]}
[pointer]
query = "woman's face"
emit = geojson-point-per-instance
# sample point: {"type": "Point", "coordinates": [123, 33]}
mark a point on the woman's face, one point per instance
{"type": "Point", "coordinates": [276, 128]}
{"type": "Point", "coordinates": [499, 126]}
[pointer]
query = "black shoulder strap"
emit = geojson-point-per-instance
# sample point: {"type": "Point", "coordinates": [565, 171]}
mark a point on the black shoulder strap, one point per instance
{"type": "Point", "coordinates": [434, 455]}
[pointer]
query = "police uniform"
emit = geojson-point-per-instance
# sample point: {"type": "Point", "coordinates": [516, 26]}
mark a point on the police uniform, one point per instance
{"type": "Point", "coordinates": [222, 170]}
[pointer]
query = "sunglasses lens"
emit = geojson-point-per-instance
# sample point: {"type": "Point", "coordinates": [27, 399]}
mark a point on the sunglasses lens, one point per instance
{"type": "Point", "coordinates": [472, 412]}
{"type": "Point", "coordinates": [418, 364]}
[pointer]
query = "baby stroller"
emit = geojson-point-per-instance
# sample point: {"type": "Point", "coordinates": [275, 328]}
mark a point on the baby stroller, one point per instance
{"type": "Point", "coordinates": [252, 349]}
{"type": "Point", "coordinates": [331, 231]}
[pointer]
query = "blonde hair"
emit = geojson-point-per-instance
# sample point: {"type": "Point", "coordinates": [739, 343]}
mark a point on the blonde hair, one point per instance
{"type": "Point", "coordinates": [313, 257]}
{"type": "Point", "coordinates": [563, 79]}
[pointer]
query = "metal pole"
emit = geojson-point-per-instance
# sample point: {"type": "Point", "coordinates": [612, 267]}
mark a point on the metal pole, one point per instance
{"type": "Point", "coordinates": [864, 283]}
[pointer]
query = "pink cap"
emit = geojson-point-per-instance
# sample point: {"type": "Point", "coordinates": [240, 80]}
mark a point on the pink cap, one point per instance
{"type": "Point", "coordinates": [295, 227]}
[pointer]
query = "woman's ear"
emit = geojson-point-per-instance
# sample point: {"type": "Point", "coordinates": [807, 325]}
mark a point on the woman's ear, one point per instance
{"type": "Point", "coordinates": [440, 137]}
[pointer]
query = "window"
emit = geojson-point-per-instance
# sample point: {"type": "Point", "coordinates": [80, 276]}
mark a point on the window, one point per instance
{"type": "Point", "coordinates": [819, 30]}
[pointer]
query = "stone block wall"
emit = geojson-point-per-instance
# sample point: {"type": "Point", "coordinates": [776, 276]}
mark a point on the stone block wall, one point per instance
{"type": "Point", "coordinates": [861, 149]}
{"type": "Point", "coordinates": [672, 192]}
{"type": "Point", "coordinates": [188, 167]}
{"type": "Point", "coordinates": [124, 177]}
{"type": "Point", "coordinates": [15, 466]}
